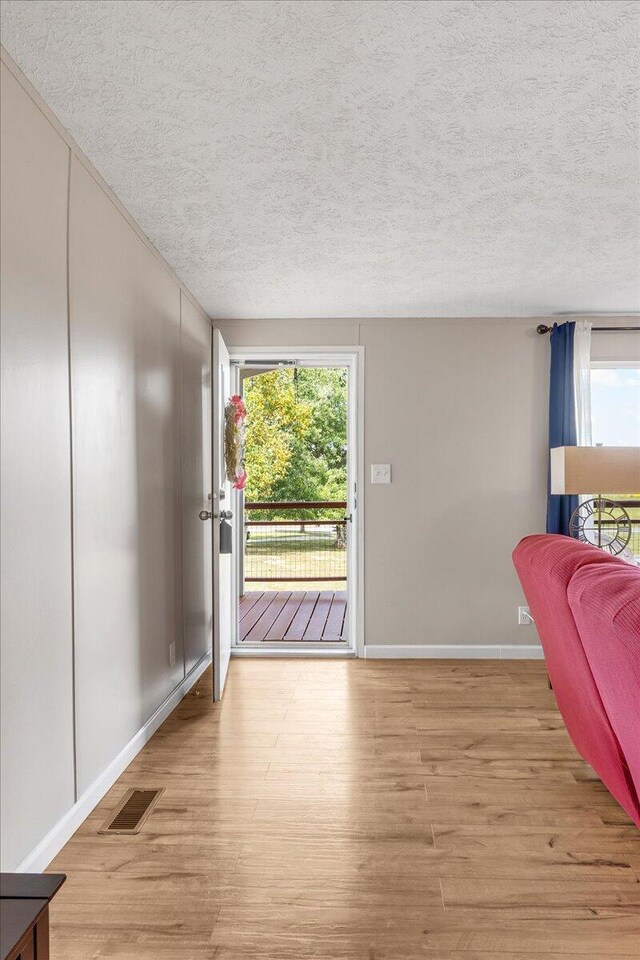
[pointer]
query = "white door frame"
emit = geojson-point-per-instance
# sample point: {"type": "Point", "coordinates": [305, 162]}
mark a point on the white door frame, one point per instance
{"type": "Point", "coordinates": [351, 357]}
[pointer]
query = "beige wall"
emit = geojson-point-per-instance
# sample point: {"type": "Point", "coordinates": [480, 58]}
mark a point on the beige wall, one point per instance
{"type": "Point", "coordinates": [97, 373]}
{"type": "Point", "coordinates": [618, 346]}
{"type": "Point", "coordinates": [459, 409]}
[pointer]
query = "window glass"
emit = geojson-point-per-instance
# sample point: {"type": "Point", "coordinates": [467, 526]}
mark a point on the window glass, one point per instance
{"type": "Point", "coordinates": [615, 422]}
{"type": "Point", "coordinates": [615, 406]}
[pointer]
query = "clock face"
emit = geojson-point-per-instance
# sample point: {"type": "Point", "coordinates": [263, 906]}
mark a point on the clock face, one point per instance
{"type": "Point", "coordinates": [602, 523]}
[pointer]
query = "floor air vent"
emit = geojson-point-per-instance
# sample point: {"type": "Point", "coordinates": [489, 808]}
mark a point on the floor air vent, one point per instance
{"type": "Point", "coordinates": [132, 811]}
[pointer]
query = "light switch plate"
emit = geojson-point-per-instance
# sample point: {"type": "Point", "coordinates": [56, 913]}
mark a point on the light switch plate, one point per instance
{"type": "Point", "coordinates": [380, 473]}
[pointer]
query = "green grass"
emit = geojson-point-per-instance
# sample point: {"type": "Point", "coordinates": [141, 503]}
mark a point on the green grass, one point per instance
{"type": "Point", "coordinates": [284, 551]}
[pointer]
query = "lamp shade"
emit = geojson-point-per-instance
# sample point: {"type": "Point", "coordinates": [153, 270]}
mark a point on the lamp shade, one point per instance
{"type": "Point", "coordinates": [612, 470]}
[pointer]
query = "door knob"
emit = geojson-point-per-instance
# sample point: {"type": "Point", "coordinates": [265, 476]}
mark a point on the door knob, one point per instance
{"type": "Point", "coordinates": [226, 515]}
{"type": "Point", "coordinates": [205, 515]}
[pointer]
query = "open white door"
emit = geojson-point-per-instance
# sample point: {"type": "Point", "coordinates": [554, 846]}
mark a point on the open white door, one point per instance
{"type": "Point", "coordinates": [221, 511]}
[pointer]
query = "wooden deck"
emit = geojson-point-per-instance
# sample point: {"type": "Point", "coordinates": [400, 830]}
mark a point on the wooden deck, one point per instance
{"type": "Point", "coordinates": [304, 615]}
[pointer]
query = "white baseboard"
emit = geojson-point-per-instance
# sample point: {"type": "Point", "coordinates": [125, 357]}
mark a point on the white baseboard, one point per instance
{"type": "Point", "coordinates": [452, 652]}
{"type": "Point", "coordinates": [55, 839]}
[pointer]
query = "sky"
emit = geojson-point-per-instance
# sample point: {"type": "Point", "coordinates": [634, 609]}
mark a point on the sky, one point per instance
{"type": "Point", "coordinates": [615, 406]}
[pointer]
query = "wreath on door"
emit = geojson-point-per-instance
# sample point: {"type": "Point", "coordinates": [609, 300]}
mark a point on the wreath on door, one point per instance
{"type": "Point", "coordinates": [235, 414]}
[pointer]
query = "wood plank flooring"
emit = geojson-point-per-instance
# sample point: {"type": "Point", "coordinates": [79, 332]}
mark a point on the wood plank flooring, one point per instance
{"type": "Point", "coordinates": [293, 616]}
{"type": "Point", "coordinates": [359, 810]}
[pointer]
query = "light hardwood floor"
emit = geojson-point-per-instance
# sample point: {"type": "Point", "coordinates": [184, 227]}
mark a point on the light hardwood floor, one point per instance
{"type": "Point", "coordinates": [363, 810]}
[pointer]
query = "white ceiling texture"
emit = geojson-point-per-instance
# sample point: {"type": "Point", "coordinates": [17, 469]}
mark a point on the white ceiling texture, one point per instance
{"type": "Point", "coordinates": [351, 158]}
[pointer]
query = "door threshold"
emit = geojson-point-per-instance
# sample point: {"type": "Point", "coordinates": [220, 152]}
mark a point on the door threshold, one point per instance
{"type": "Point", "coordinates": [319, 653]}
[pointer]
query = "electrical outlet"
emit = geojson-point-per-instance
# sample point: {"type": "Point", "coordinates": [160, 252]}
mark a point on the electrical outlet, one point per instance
{"type": "Point", "coordinates": [172, 654]}
{"type": "Point", "coordinates": [380, 473]}
{"type": "Point", "coordinates": [524, 617]}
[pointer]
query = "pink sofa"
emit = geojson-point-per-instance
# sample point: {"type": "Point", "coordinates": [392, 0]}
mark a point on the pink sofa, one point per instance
{"type": "Point", "coordinates": [586, 607]}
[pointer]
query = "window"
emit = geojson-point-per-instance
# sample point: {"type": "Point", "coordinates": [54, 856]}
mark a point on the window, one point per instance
{"type": "Point", "coordinates": [615, 422]}
{"type": "Point", "coordinates": [615, 405]}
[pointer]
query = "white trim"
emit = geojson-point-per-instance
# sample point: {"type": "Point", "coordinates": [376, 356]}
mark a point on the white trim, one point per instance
{"type": "Point", "coordinates": [237, 507]}
{"type": "Point", "coordinates": [406, 651]}
{"type": "Point", "coordinates": [359, 618]}
{"type": "Point", "coordinates": [352, 357]}
{"type": "Point", "coordinates": [344, 653]}
{"type": "Point", "coordinates": [315, 356]}
{"type": "Point", "coordinates": [42, 855]}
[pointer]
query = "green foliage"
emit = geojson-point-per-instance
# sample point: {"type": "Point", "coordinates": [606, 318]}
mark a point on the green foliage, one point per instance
{"type": "Point", "coordinates": [296, 437]}
{"type": "Point", "coordinates": [275, 421]}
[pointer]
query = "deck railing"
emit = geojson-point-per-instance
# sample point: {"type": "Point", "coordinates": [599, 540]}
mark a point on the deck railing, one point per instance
{"type": "Point", "coordinates": [308, 546]}
{"type": "Point", "coordinates": [631, 506]}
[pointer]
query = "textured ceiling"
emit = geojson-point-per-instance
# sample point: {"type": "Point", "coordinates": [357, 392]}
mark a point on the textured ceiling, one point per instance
{"type": "Point", "coordinates": [360, 158]}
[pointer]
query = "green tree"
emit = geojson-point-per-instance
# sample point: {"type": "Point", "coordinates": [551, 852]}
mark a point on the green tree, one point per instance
{"type": "Point", "coordinates": [297, 436]}
{"type": "Point", "coordinates": [275, 420]}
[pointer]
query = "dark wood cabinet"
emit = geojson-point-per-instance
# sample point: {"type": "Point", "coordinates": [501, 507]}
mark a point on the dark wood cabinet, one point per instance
{"type": "Point", "coordinates": [24, 914]}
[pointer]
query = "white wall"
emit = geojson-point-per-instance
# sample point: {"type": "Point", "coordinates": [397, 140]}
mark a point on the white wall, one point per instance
{"type": "Point", "coordinates": [37, 655]}
{"type": "Point", "coordinates": [459, 408]}
{"type": "Point", "coordinates": [125, 377]}
{"type": "Point", "coordinates": [93, 446]}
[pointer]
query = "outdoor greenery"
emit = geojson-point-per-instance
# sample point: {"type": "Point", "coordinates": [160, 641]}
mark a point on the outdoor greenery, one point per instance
{"type": "Point", "coordinates": [296, 438]}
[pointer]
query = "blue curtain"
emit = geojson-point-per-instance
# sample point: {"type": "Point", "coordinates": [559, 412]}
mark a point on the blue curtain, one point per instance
{"type": "Point", "coordinates": [562, 420]}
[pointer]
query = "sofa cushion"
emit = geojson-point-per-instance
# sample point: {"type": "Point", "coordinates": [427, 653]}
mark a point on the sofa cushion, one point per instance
{"type": "Point", "coordinates": [605, 603]}
{"type": "Point", "coordinates": [546, 564]}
